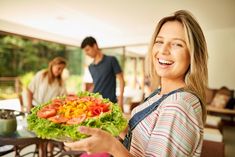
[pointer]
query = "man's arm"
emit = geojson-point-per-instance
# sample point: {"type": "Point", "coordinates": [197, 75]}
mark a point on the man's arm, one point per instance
{"type": "Point", "coordinates": [120, 77]}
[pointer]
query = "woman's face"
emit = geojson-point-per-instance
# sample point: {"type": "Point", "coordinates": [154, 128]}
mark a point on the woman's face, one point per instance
{"type": "Point", "coordinates": [170, 54]}
{"type": "Point", "coordinates": [57, 69]}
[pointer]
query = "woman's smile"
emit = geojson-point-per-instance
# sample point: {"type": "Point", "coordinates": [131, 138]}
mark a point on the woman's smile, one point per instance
{"type": "Point", "coordinates": [165, 63]}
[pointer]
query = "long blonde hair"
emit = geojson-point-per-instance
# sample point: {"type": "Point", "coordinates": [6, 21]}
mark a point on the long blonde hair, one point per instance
{"type": "Point", "coordinates": [49, 73]}
{"type": "Point", "coordinates": [196, 78]}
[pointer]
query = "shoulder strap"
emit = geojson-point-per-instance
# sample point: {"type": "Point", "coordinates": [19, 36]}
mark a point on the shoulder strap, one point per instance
{"type": "Point", "coordinates": [152, 94]}
{"type": "Point", "coordinates": [145, 112]}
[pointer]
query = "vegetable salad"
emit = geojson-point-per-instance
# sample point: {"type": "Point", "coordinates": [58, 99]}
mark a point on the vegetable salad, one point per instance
{"type": "Point", "coordinates": [60, 118]}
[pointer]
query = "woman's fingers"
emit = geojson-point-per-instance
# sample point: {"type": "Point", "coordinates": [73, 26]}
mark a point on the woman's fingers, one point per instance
{"type": "Point", "coordinates": [88, 130]}
{"type": "Point", "coordinates": [92, 144]}
{"type": "Point", "coordinates": [78, 145]}
{"type": "Point", "coordinates": [84, 144]}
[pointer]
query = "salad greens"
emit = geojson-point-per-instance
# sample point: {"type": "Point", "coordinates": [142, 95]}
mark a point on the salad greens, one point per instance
{"type": "Point", "coordinates": [112, 122]}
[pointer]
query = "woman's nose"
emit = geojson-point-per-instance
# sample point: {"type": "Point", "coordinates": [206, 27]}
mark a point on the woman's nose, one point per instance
{"type": "Point", "coordinates": [165, 49]}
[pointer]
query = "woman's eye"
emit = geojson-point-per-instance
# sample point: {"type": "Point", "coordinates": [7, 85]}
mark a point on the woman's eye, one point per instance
{"type": "Point", "coordinates": [159, 42]}
{"type": "Point", "coordinates": [176, 45]}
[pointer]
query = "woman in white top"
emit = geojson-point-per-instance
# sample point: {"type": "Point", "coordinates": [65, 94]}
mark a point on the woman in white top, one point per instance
{"type": "Point", "coordinates": [47, 84]}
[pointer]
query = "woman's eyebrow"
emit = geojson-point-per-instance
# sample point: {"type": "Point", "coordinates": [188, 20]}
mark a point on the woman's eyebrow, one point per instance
{"type": "Point", "coordinates": [159, 37]}
{"type": "Point", "coordinates": [172, 38]}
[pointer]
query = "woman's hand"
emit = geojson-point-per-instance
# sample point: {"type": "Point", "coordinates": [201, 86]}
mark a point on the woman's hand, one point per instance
{"type": "Point", "coordinates": [99, 141]}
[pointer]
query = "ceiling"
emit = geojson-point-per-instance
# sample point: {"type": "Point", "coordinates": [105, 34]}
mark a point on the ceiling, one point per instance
{"type": "Point", "coordinates": [111, 22]}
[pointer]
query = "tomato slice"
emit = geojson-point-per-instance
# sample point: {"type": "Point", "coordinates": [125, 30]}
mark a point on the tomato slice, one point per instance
{"type": "Point", "coordinates": [58, 119]}
{"type": "Point", "coordinates": [105, 107]}
{"type": "Point", "coordinates": [71, 97]}
{"type": "Point", "coordinates": [97, 101]}
{"type": "Point", "coordinates": [84, 99]}
{"type": "Point", "coordinates": [46, 112]}
{"type": "Point", "coordinates": [54, 105]}
{"type": "Point", "coordinates": [96, 110]}
{"type": "Point", "coordinates": [57, 101]}
{"type": "Point", "coordinates": [77, 120]}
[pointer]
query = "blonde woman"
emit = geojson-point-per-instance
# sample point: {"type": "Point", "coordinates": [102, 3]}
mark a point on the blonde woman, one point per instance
{"type": "Point", "coordinates": [170, 122]}
{"type": "Point", "coordinates": [47, 84]}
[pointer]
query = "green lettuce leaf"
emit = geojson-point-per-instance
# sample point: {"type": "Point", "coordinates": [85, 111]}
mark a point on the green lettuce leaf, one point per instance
{"type": "Point", "coordinates": [112, 122]}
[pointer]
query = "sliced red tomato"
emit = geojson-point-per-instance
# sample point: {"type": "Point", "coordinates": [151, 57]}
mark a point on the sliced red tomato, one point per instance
{"type": "Point", "coordinates": [58, 119]}
{"type": "Point", "coordinates": [54, 106]}
{"type": "Point", "coordinates": [84, 99]}
{"type": "Point", "coordinates": [96, 110]}
{"type": "Point", "coordinates": [105, 107]}
{"type": "Point", "coordinates": [71, 97]}
{"type": "Point", "coordinates": [97, 101]}
{"type": "Point", "coordinates": [77, 120]}
{"type": "Point", "coordinates": [59, 101]}
{"type": "Point", "coordinates": [46, 112]}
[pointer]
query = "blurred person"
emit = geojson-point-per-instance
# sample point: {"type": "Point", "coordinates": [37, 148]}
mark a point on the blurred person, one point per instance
{"type": "Point", "coordinates": [171, 120]}
{"type": "Point", "coordinates": [104, 70]}
{"type": "Point", "coordinates": [47, 84]}
{"type": "Point", "coordinates": [65, 74]}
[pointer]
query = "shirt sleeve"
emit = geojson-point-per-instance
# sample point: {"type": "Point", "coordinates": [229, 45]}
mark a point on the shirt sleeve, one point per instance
{"type": "Point", "coordinates": [63, 90]}
{"type": "Point", "coordinates": [116, 67]}
{"type": "Point", "coordinates": [34, 82]}
{"type": "Point", "coordinates": [177, 131]}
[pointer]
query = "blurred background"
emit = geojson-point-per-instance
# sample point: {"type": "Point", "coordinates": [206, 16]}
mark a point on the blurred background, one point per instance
{"type": "Point", "coordinates": [32, 32]}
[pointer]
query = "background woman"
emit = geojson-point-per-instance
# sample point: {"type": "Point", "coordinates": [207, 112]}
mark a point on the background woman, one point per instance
{"type": "Point", "coordinates": [47, 84]}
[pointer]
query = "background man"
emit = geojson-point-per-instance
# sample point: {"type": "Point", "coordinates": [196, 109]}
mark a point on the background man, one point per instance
{"type": "Point", "coordinates": [104, 70]}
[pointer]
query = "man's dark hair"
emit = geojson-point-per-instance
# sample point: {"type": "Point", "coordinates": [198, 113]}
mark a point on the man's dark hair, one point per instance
{"type": "Point", "coordinates": [88, 41]}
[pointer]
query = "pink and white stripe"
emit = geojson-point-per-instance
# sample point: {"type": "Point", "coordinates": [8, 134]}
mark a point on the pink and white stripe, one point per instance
{"type": "Point", "coordinates": [175, 128]}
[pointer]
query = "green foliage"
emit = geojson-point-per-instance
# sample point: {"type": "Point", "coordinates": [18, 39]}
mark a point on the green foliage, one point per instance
{"type": "Point", "coordinates": [23, 57]}
{"type": "Point", "coordinates": [26, 78]}
{"type": "Point", "coordinates": [74, 83]}
{"type": "Point", "coordinates": [76, 61]}
{"type": "Point", "coordinates": [19, 55]}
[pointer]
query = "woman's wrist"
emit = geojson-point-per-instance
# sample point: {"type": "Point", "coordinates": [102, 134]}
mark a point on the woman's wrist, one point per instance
{"type": "Point", "coordinates": [118, 150]}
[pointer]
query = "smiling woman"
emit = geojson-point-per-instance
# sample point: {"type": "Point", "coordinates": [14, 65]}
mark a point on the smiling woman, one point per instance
{"type": "Point", "coordinates": [170, 122]}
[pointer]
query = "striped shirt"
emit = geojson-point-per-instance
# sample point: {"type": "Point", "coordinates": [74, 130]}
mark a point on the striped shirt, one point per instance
{"type": "Point", "coordinates": [174, 129]}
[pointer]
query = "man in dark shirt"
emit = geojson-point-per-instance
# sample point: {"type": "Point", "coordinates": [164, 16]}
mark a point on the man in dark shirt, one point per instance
{"type": "Point", "coordinates": [104, 71]}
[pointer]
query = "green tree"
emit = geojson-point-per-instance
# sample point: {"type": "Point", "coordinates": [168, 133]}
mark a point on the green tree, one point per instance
{"type": "Point", "coordinates": [19, 55]}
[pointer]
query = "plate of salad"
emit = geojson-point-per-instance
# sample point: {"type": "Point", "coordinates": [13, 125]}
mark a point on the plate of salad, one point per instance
{"type": "Point", "coordinates": [60, 118]}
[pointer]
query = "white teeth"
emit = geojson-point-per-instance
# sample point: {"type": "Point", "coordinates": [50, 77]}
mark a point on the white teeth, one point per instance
{"type": "Point", "coordinates": [164, 61]}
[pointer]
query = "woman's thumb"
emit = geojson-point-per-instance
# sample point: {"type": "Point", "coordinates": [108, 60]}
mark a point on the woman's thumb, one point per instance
{"type": "Point", "coordinates": [87, 130]}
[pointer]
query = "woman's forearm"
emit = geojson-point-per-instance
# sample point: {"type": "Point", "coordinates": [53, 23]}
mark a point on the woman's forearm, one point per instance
{"type": "Point", "coordinates": [118, 150]}
{"type": "Point", "coordinates": [30, 99]}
